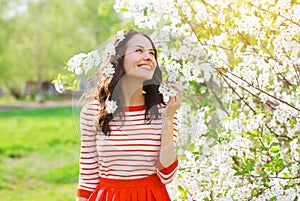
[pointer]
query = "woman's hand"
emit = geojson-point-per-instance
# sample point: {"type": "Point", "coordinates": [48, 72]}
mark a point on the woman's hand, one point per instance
{"type": "Point", "coordinates": [168, 150]}
{"type": "Point", "coordinates": [174, 101]}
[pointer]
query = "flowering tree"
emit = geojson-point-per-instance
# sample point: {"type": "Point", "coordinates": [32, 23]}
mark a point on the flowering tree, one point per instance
{"type": "Point", "coordinates": [239, 64]}
{"type": "Point", "coordinates": [240, 120]}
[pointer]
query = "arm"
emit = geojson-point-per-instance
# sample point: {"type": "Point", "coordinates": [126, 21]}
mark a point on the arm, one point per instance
{"type": "Point", "coordinates": [88, 167]}
{"type": "Point", "coordinates": [81, 199]}
{"type": "Point", "coordinates": [168, 161]}
{"type": "Point", "coordinates": [168, 153]}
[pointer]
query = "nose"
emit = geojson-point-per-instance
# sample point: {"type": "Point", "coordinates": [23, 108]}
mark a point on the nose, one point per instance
{"type": "Point", "coordinates": [147, 56]}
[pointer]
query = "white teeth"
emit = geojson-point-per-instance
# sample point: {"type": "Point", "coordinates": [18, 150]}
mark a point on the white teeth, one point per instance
{"type": "Point", "coordinates": [146, 67]}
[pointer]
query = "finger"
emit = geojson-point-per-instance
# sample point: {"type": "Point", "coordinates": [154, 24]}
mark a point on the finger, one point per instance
{"type": "Point", "coordinates": [179, 92]}
{"type": "Point", "coordinates": [178, 88]}
{"type": "Point", "coordinates": [173, 101]}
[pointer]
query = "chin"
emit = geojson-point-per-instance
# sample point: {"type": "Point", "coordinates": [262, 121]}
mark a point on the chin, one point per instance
{"type": "Point", "coordinates": [143, 77]}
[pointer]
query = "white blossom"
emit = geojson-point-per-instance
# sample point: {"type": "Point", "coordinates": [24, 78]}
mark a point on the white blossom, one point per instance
{"type": "Point", "coordinates": [110, 49]}
{"type": "Point", "coordinates": [166, 90]}
{"type": "Point", "coordinates": [76, 61]}
{"type": "Point", "coordinates": [111, 106]}
{"type": "Point", "coordinates": [96, 56]}
{"type": "Point", "coordinates": [120, 36]}
{"type": "Point", "coordinates": [109, 70]}
{"type": "Point", "coordinates": [78, 70]}
{"type": "Point", "coordinates": [239, 60]}
{"type": "Point", "coordinates": [93, 59]}
{"type": "Point", "coordinates": [88, 64]}
{"type": "Point", "coordinates": [59, 87]}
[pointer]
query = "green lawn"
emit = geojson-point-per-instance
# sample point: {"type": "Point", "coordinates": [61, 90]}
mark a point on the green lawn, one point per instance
{"type": "Point", "coordinates": [39, 152]}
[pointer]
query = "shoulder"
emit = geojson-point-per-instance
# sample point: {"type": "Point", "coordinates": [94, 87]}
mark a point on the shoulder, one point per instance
{"type": "Point", "coordinates": [91, 108]}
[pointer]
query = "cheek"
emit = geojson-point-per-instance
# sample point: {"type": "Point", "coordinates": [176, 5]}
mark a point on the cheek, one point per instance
{"type": "Point", "coordinates": [127, 64]}
{"type": "Point", "coordinates": [155, 63]}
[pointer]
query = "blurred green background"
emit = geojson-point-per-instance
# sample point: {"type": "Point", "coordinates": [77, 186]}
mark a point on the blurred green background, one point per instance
{"type": "Point", "coordinates": [38, 154]}
{"type": "Point", "coordinates": [39, 143]}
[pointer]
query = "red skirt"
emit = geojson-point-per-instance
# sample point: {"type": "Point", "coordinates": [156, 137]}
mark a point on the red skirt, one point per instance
{"type": "Point", "coordinates": [149, 188]}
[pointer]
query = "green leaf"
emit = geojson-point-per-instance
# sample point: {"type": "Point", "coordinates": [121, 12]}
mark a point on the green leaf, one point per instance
{"type": "Point", "coordinates": [206, 102]}
{"type": "Point", "coordinates": [180, 188]}
{"type": "Point", "coordinates": [193, 148]}
{"type": "Point", "coordinates": [203, 90]}
{"type": "Point", "coordinates": [274, 150]}
{"type": "Point", "coordinates": [177, 43]}
{"type": "Point", "coordinates": [274, 144]}
{"type": "Point", "coordinates": [211, 195]}
{"type": "Point", "coordinates": [183, 192]}
{"type": "Point", "coordinates": [235, 167]}
{"type": "Point", "coordinates": [293, 121]}
{"type": "Point", "coordinates": [294, 86]}
{"type": "Point", "coordinates": [239, 174]}
{"type": "Point", "coordinates": [213, 133]}
{"type": "Point", "coordinates": [268, 139]}
{"type": "Point", "coordinates": [268, 165]}
{"type": "Point", "coordinates": [123, 10]}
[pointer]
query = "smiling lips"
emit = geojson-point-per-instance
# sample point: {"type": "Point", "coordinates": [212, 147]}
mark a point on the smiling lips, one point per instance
{"type": "Point", "coordinates": [145, 66]}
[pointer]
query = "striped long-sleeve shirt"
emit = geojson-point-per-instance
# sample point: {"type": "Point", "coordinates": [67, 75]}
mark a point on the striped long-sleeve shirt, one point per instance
{"type": "Point", "coordinates": [130, 152]}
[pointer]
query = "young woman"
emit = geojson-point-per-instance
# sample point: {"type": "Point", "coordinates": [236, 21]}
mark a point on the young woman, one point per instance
{"type": "Point", "coordinates": [128, 132]}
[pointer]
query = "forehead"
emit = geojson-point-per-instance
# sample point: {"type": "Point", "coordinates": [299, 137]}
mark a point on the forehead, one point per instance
{"type": "Point", "coordinates": [139, 40]}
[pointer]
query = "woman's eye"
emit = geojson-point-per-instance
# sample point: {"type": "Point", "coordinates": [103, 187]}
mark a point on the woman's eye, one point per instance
{"type": "Point", "coordinates": [139, 50]}
{"type": "Point", "coordinates": [152, 53]}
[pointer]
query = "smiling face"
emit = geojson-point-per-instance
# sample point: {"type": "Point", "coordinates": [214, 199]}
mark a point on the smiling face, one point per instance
{"type": "Point", "coordinates": [139, 60]}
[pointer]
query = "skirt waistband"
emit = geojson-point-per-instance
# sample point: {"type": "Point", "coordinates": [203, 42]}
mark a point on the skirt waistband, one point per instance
{"type": "Point", "coordinates": [148, 180]}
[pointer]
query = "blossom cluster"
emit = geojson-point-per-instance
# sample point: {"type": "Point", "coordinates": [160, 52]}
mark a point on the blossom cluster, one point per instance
{"type": "Point", "coordinates": [240, 120]}
{"type": "Point", "coordinates": [77, 65]}
{"type": "Point", "coordinates": [167, 91]}
{"type": "Point", "coordinates": [238, 134]}
{"type": "Point", "coordinates": [82, 63]}
{"type": "Point", "coordinates": [111, 106]}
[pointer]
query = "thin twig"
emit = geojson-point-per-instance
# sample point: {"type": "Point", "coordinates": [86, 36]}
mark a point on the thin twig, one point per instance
{"type": "Point", "coordinates": [238, 94]}
{"type": "Point", "coordinates": [292, 106]}
{"type": "Point", "coordinates": [274, 14]}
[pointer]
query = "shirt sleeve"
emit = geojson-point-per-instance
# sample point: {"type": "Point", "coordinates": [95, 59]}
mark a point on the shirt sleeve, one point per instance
{"type": "Point", "coordinates": [167, 174]}
{"type": "Point", "coordinates": [88, 162]}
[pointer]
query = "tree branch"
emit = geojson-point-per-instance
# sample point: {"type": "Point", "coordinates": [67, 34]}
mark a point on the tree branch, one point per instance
{"type": "Point", "coordinates": [274, 14]}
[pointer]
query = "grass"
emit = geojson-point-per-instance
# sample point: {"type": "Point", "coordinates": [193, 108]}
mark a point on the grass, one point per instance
{"type": "Point", "coordinates": [10, 100]}
{"type": "Point", "coordinates": [39, 152]}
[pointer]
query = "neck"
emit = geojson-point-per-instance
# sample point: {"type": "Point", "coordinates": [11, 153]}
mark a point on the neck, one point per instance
{"type": "Point", "coordinates": [132, 91]}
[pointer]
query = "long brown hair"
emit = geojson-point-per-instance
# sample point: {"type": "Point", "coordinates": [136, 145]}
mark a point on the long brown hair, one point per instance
{"type": "Point", "coordinates": [107, 86]}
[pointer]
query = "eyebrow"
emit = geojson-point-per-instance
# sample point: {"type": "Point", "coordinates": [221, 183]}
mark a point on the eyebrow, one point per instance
{"type": "Point", "coordinates": [143, 47]}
